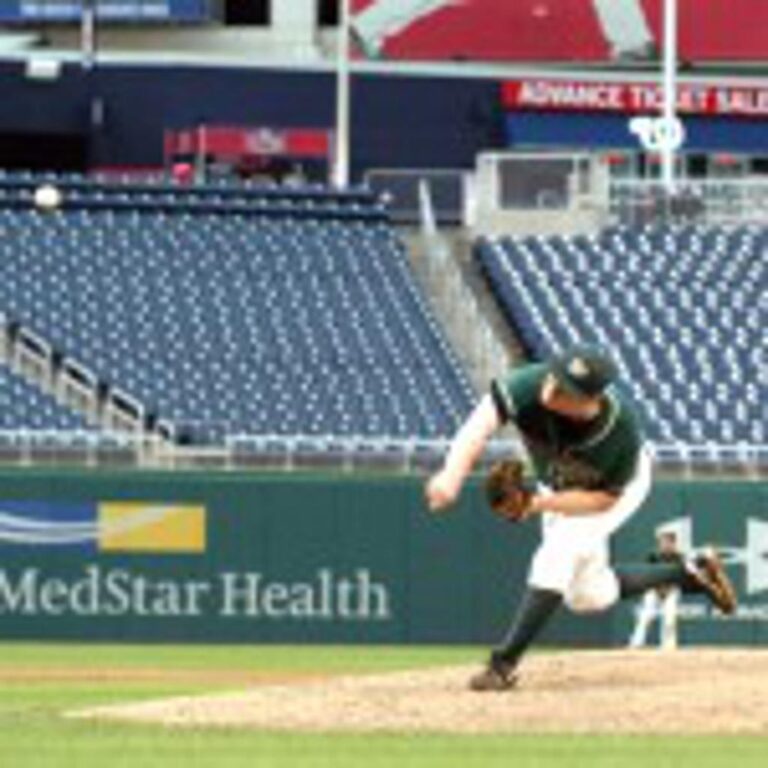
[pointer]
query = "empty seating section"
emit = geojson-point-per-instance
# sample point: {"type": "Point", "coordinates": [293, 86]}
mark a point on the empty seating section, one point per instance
{"type": "Point", "coordinates": [24, 407]}
{"type": "Point", "coordinates": [680, 308]}
{"type": "Point", "coordinates": [234, 320]}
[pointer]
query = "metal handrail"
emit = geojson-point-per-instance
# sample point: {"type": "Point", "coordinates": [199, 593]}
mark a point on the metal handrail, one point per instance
{"type": "Point", "coordinates": [725, 202]}
{"type": "Point", "coordinates": [344, 452]}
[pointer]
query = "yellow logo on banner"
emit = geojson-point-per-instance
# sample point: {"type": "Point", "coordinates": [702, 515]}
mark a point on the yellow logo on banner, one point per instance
{"type": "Point", "coordinates": [136, 526]}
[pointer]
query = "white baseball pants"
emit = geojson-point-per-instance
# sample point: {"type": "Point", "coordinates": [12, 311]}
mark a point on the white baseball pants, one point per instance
{"type": "Point", "coordinates": [573, 557]}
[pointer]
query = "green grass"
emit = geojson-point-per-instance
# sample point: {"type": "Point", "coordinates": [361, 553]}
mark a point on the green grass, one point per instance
{"type": "Point", "coordinates": [33, 733]}
{"type": "Point", "coordinates": [268, 658]}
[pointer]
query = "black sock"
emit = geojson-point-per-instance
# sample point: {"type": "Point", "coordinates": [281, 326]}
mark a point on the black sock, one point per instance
{"type": "Point", "coordinates": [535, 609]}
{"type": "Point", "coordinates": [635, 580]}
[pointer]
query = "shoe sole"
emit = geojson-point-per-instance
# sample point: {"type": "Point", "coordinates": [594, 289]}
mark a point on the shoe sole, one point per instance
{"type": "Point", "coordinates": [498, 685]}
{"type": "Point", "coordinates": [718, 585]}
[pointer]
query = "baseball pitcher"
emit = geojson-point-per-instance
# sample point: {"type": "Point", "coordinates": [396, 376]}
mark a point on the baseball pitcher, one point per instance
{"type": "Point", "coordinates": [590, 474]}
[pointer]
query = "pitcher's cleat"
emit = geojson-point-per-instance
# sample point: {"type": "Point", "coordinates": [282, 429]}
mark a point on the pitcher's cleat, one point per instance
{"type": "Point", "coordinates": [495, 677]}
{"type": "Point", "coordinates": [708, 572]}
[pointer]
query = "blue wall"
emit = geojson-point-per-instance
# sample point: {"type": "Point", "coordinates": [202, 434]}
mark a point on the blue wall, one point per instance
{"type": "Point", "coordinates": [530, 129]}
{"type": "Point", "coordinates": [397, 121]}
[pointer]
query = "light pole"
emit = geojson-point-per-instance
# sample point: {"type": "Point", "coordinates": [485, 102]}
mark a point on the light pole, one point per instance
{"type": "Point", "coordinates": [343, 77]}
{"type": "Point", "coordinates": [88, 33]}
{"type": "Point", "coordinates": [669, 84]}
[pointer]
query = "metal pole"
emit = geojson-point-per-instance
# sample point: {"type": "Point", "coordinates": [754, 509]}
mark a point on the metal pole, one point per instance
{"type": "Point", "coordinates": [88, 33]}
{"type": "Point", "coordinates": [343, 48]}
{"type": "Point", "coordinates": [669, 84]}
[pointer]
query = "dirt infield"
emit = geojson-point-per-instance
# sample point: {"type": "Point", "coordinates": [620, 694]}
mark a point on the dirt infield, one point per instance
{"type": "Point", "coordinates": [691, 691]}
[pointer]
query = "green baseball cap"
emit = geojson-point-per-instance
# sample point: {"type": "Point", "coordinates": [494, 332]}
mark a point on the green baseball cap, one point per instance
{"type": "Point", "coordinates": [583, 371]}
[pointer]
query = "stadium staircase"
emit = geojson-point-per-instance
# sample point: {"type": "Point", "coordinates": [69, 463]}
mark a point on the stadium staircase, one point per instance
{"type": "Point", "coordinates": [463, 303]}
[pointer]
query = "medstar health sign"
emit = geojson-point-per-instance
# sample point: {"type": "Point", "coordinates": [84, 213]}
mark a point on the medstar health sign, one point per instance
{"type": "Point", "coordinates": [282, 557]}
{"type": "Point", "coordinates": [143, 569]}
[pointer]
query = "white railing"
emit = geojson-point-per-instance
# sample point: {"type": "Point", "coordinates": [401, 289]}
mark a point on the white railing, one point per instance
{"type": "Point", "coordinates": [29, 447]}
{"type": "Point", "coordinates": [350, 453]}
{"type": "Point", "coordinates": [400, 187]}
{"type": "Point", "coordinates": [725, 202]}
{"type": "Point", "coordinates": [455, 302]}
{"type": "Point", "coordinates": [329, 452]}
{"type": "Point", "coordinates": [688, 460]}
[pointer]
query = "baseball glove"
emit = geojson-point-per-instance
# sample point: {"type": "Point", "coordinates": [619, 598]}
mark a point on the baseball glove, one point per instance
{"type": "Point", "coordinates": [507, 490]}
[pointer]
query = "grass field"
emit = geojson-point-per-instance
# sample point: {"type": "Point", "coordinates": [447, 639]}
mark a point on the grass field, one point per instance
{"type": "Point", "coordinates": [39, 682]}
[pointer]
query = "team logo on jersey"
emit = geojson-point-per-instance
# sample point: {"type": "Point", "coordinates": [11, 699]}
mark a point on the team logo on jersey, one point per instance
{"type": "Point", "coordinates": [571, 472]}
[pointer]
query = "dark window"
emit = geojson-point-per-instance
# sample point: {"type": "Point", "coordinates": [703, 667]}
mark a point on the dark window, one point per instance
{"type": "Point", "coordinates": [44, 151]}
{"type": "Point", "coordinates": [697, 166]}
{"type": "Point", "coordinates": [328, 13]}
{"type": "Point", "coordinates": [251, 13]}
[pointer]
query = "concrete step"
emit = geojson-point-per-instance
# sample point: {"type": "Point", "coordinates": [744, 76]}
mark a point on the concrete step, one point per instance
{"type": "Point", "coordinates": [464, 306]}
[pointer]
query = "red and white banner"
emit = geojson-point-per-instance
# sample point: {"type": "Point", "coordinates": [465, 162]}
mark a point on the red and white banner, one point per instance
{"type": "Point", "coordinates": [556, 30]}
{"type": "Point", "coordinates": [241, 141]}
{"type": "Point", "coordinates": [633, 98]}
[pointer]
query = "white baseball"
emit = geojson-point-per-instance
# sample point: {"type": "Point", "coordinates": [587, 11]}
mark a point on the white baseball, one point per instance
{"type": "Point", "coordinates": [47, 197]}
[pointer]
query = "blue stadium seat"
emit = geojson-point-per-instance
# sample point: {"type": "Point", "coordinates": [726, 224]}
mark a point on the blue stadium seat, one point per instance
{"type": "Point", "coordinates": [25, 407]}
{"type": "Point", "coordinates": [677, 305]}
{"type": "Point", "coordinates": [298, 315]}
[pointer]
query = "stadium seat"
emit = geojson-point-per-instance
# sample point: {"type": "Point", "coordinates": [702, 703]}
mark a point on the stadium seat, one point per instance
{"type": "Point", "coordinates": [25, 407]}
{"type": "Point", "coordinates": [261, 313]}
{"type": "Point", "coordinates": [679, 314]}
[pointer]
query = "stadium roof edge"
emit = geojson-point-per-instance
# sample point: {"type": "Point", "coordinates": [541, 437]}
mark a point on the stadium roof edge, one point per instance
{"type": "Point", "coordinates": [726, 74]}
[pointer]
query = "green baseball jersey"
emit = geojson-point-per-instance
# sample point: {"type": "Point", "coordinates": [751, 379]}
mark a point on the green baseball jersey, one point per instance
{"type": "Point", "coordinates": [600, 454]}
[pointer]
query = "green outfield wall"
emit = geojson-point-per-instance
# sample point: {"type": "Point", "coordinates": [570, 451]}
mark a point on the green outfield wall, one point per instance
{"type": "Point", "coordinates": [219, 557]}
{"type": "Point", "coordinates": [729, 515]}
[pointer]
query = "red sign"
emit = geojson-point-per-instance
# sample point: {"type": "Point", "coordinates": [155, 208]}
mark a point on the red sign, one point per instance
{"type": "Point", "coordinates": [235, 141]}
{"type": "Point", "coordinates": [632, 98]}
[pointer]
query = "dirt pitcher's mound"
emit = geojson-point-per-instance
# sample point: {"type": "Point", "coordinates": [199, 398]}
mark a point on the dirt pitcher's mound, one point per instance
{"type": "Point", "coordinates": [692, 691]}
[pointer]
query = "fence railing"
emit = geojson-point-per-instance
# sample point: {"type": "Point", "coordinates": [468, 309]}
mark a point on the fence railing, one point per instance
{"type": "Point", "coordinates": [449, 190]}
{"type": "Point", "coordinates": [683, 459]}
{"type": "Point", "coordinates": [725, 202]}
{"type": "Point", "coordinates": [337, 453]}
{"type": "Point", "coordinates": [29, 447]}
{"type": "Point", "coordinates": [350, 453]}
{"type": "Point", "coordinates": [455, 302]}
